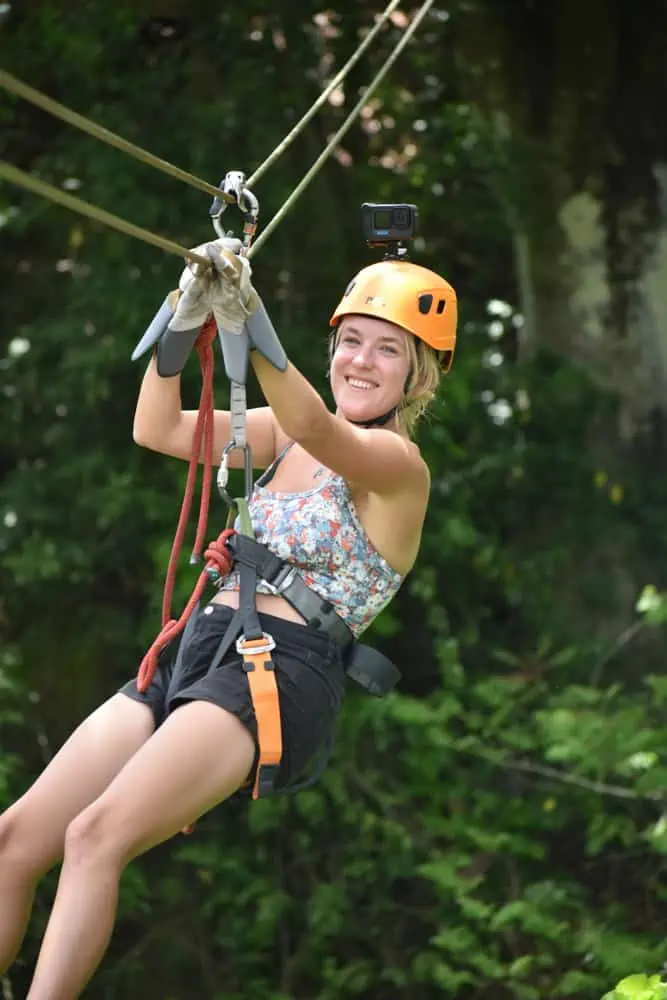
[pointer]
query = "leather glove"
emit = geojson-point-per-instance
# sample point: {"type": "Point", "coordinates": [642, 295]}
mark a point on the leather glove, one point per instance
{"type": "Point", "coordinates": [231, 296]}
{"type": "Point", "coordinates": [200, 286]}
{"type": "Point", "coordinates": [176, 325]}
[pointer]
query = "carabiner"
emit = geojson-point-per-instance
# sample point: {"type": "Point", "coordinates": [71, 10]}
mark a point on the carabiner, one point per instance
{"type": "Point", "coordinates": [223, 472]}
{"type": "Point", "coordinates": [233, 184]}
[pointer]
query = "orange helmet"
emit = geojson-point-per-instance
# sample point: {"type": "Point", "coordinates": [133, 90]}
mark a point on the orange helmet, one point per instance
{"type": "Point", "coordinates": [412, 297]}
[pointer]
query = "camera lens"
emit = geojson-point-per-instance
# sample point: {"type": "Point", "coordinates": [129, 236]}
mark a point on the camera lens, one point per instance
{"type": "Point", "coordinates": [401, 218]}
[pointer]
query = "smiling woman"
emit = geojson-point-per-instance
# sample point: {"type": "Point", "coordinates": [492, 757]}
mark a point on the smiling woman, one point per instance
{"type": "Point", "coordinates": [421, 375]}
{"type": "Point", "coordinates": [340, 507]}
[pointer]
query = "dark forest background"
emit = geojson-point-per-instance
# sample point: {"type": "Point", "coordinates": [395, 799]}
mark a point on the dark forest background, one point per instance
{"type": "Point", "coordinates": [497, 829]}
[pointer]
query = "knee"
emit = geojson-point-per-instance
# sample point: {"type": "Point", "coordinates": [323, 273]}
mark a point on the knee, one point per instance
{"type": "Point", "coordinates": [9, 831]}
{"type": "Point", "coordinates": [91, 837]}
{"type": "Point", "coordinates": [20, 842]}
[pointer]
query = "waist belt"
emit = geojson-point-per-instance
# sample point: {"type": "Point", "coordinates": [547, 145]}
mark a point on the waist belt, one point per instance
{"type": "Point", "coordinates": [287, 583]}
{"type": "Point", "coordinates": [372, 670]}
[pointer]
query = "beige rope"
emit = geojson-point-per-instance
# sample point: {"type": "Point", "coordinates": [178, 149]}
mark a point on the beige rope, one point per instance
{"type": "Point", "coordinates": [331, 86]}
{"type": "Point", "coordinates": [324, 155]}
{"type": "Point", "coordinates": [15, 86]}
{"type": "Point", "coordinates": [32, 184]}
{"type": "Point", "coordinates": [45, 190]}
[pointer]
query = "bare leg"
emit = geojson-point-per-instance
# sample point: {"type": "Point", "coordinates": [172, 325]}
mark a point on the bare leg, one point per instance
{"type": "Point", "coordinates": [32, 831]}
{"type": "Point", "coordinates": [197, 758]}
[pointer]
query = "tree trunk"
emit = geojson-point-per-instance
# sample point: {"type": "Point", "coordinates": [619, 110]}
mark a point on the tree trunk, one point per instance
{"type": "Point", "coordinates": [586, 84]}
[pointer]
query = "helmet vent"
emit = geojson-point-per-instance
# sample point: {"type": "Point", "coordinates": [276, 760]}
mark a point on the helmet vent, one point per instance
{"type": "Point", "coordinates": [441, 307]}
{"type": "Point", "coordinates": [349, 287]}
{"type": "Point", "coordinates": [425, 303]}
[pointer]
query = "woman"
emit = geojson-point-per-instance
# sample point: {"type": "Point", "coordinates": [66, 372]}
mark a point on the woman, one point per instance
{"type": "Point", "coordinates": [347, 499]}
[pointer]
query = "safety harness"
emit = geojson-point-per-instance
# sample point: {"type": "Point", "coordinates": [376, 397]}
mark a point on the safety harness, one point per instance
{"type": "Point", "coordinates": [236, 548]}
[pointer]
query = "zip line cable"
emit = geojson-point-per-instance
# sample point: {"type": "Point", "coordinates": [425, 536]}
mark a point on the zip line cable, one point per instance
{"type": "Point", "coordinates": [22, 179]}
{"type": "Point", "coordinates": [15, 86]}
{"type": "Point", "coordinates": [326, 153]}
{"type": "Point", "coordinates": [331, 86]}
{"type": "Point", "coordinates": [35, 186]}
{"type": "Point", "coordinates": [18, 88]}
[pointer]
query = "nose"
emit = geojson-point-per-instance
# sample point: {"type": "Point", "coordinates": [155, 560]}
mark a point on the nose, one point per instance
{"type": "Point", "coordinates": [362, 356]}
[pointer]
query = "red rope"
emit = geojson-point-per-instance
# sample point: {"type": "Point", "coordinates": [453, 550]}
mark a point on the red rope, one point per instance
{"type": "Point", "coordinates": [218, 558]}
{"type": "Point", "coordinates": [203, 430]}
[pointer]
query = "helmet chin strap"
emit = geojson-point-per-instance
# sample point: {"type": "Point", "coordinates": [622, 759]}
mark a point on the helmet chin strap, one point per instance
{"type": "Point", "coordinates": [376, 421]}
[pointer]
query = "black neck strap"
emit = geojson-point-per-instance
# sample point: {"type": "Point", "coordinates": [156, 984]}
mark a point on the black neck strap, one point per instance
{"type": "Point", "coordinates": [377, 421]}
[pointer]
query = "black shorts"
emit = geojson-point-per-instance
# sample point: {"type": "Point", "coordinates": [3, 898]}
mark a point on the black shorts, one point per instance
{"type": "Point", "coordinates": [309, 674]}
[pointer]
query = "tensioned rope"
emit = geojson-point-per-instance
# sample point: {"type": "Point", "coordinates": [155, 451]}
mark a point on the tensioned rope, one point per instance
{"type": "Point", "coordinates": [328, 90]}
{"type": "Point", "coordinates": [21, 179]}
{"type": "Point", "coordinates": [26, 181]}
{"type": "Point", "coordinates": [326, 152]}
{"type": "Point", "coordinates": [17, 87]}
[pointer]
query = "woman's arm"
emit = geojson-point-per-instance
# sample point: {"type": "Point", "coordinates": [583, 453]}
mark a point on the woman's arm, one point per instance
{"type": "Point", "coordinates": [375, 460]}
{"type": "Point", "coordinates": [161, 424]}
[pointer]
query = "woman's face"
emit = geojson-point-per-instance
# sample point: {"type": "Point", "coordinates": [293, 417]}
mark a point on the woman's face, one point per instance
{"type": "Point", "coordinates": [369, 367]}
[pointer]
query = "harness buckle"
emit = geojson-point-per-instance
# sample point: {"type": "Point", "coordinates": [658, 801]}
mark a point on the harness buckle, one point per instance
{"type": "Point", "coordinates": [283, 579]}
{"type": "Point", "coordinates": [255, 647]}
{"type": "Point", "coordinates": [265, 781]}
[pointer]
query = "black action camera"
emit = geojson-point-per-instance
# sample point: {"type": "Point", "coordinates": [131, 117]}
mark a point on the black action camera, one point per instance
{"type": "Point", "coordinates": [384, 225]}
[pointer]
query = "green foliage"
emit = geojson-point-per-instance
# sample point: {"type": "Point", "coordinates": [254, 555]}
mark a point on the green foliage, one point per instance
{"type": "Point", "coordinates": [639, 987]}
{"type": "Point", "coordinates": [498, 828]}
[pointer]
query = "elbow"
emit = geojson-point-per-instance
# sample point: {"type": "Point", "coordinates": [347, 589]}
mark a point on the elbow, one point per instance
{"type": "Point", "coordinates": [139, 439]}
{"type": "Point", "coordinates": [141, 434]}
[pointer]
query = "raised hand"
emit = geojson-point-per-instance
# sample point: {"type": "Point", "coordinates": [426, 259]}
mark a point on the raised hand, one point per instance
{"type": "Point", "coordinates": [176, 325]}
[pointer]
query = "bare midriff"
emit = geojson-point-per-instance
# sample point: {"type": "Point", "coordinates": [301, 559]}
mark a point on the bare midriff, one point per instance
{"type": "Point", "coordinates": [268, 604]}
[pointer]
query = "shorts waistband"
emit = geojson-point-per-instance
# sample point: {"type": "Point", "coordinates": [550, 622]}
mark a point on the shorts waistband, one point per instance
{"type": "Point", "coordinates": [280, 628]}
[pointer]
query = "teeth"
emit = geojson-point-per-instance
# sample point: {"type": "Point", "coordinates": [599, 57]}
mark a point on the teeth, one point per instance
{"type": "Point", "coordinates": [356, 384]}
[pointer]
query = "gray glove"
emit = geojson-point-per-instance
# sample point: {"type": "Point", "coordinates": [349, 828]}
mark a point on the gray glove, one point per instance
{"type": "Point", "coordinates": [242, 321]}
{"type": "Point", "coordinates": [176, 325]}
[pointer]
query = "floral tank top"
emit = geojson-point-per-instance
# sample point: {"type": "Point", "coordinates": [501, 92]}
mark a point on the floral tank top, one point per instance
{"type": "Point", "coordinates": [318, 531]}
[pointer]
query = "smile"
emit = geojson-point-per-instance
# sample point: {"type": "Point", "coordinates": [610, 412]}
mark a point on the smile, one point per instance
{"type": "Point", "coordinates": [358, 383]}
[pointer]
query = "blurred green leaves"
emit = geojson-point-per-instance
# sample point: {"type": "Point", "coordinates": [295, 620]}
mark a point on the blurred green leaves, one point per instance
{"type": "Point", "coordinates": [496, 828]}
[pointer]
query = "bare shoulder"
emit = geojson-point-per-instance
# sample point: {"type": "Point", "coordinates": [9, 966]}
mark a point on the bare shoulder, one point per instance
{"type": "Point", "coordinates": [421, 473]}
{"type": "Point", "coordinates": [411, 479]}
{"type": "Point", "coordinates": [408, 496]}
{"type": "Point", "coordinates": [394, 518]}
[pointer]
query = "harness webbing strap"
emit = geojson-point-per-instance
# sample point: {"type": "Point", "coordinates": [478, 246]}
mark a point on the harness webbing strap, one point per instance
{"type": "Point", "coordinates": [255, 648]}
{"type": "Point", "coordinates": [260, 671]}
{"type": "Point", "coordinates": [237, 409]}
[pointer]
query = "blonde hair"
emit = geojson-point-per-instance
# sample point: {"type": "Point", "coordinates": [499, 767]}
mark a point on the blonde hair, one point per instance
{"type": "Point", "coordinates": [424, 379]}
{"type": "Point", "coordinates": [425, 375]}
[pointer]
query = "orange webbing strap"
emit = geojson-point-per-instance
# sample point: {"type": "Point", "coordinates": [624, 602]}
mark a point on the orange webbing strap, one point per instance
{"type": "Point", "coordinates": [260, 670]}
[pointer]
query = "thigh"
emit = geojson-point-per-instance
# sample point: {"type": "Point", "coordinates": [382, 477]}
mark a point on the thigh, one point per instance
{"type": "Point", "coordinates": [197, 758]}
{"type": "Point", "coordinates": [309, 675]}
{"type": "Point", "coordinates": [80, 771]}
